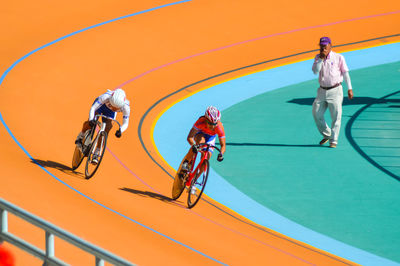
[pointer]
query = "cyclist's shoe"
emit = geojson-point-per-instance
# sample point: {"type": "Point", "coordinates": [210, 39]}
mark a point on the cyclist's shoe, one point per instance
{"type": "Point", "coordinates": [96, 155]}
{"type": "Point", "coordinates": [185, 166]}
{"type": "Point", "coordinates": [79, 138]}
{"type": "Point", "coordinates": [181, 176]}
{"type": "Point", "coordinates": [193, 191]}
{"type": "Point", "coordinates": [95, 159]}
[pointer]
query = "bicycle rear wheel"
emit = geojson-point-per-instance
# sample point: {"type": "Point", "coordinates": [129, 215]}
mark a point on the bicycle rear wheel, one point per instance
{"type": "Point", "coordinates": [178, 186]}
{"type": "Point", "coordinates": [198, 184]}
{"type": "Point", "coordinates": [99, 143]}
{"type": "Point", "coordinates": [79, 155]}
{"type": "Point", "coordinates": [77, 158]}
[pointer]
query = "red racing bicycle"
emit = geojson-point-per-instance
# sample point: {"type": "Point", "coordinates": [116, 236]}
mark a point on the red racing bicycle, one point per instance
{"type": "Point", "coordinates": [195, 179]}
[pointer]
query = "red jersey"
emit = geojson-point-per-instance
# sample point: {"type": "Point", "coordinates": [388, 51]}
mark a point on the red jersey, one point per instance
{"type": "Point", "coordinates": [201, 125]}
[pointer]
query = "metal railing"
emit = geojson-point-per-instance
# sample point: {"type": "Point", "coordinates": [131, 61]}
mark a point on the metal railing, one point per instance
{"type": "Point", "coordinates": [48, 256]}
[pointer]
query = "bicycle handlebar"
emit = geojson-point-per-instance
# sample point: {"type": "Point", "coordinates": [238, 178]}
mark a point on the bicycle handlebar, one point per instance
{"type": "Point", "coordinates": [198, 146]}
{"type": "Point", "coordinates": [97, 116]}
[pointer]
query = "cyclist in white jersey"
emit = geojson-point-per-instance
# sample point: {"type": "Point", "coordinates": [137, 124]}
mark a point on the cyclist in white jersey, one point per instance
{"type": "Point", "coordinates": [108, 104]}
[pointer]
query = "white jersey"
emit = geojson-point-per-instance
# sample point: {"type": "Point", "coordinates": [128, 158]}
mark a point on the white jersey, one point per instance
{"type": "Point", "coordinates": [104, 99]}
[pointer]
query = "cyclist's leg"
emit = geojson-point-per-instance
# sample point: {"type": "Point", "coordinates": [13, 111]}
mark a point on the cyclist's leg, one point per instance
{"type": "Point", "coordinates": [81, 134]}
{"type": "Point", "coordinates": [85, 127]}
{"type": "Point", "coordinates": [187, 160]}
{"type": "Point", "coordinates": [209, 156]}
{"type": "Point", "coordinates": [104, 110]}
{"type": "Point", "coordinates": [198, 138]}
{"type": "Point", "coordinates": [209, 140]}
{"type": "Point", "coordinates": [108, 123]}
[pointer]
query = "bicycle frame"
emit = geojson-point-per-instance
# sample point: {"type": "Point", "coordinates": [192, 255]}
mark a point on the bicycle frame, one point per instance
{"type": "Point", "coordinates": [88, 141]}
{"type": "Point", "coordinates": [203, 157]}
{"type": "Point", "coordinates": [97, 145]}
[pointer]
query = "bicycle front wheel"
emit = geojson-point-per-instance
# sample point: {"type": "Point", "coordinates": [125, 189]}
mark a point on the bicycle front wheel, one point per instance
{"type": "Point", "coordinates": [198, 184]}
{"type": "Point", "coordinates": [96, 154]}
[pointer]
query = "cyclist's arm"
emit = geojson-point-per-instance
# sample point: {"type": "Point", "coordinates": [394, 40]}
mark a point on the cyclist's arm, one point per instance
{"type": "Point", "coordinates": [222, 141]}
{"type": "Point", "coordinates": [126, 110]}
{"type": "Point", "coordinates": [93, 109]}
{"type": "Point", "coordinates": [190, 137]}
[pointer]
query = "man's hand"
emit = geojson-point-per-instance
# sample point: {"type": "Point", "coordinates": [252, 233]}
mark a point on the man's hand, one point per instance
{"type": "Point", "coordinates": [324, 51]}
{"type": "Point", "coordinates": [350, 94]}
{"type": "Point", "coordinates": [220, 157]}
{"type": "Point", "coordinates": [118, 133]}
{"type": "Point", "coordinates": [323, 54]}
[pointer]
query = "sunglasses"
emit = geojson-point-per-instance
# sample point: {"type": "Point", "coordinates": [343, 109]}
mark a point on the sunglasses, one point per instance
{"type": "Point", "coordinates": [212, 124]}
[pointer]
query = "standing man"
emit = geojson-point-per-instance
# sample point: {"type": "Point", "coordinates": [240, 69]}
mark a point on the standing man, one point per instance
{"type": "Point", "coordinates": [332, 69]}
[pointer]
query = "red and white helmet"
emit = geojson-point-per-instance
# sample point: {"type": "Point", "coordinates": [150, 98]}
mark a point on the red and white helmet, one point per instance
{"type": "Point", "coordinates": [213, 114]}
{"type": "Point", "coordinates": [118, 98]}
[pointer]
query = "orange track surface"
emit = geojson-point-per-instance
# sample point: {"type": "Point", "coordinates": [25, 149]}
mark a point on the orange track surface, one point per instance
{"type": "Point", "coordinates": [45, 98]}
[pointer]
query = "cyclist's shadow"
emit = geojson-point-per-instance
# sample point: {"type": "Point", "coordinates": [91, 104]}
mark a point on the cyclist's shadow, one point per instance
{"type": "Point", "coordinates": [60, 167]}
{"type": "Point", "coordinates": [150, 194]}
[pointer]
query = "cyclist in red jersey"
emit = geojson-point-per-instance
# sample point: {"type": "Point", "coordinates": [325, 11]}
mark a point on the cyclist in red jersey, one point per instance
{"type": "Point", "coordinates": [205, 130]}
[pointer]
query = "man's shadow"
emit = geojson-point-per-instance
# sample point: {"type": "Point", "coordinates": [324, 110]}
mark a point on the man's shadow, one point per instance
{"type": "Point", "coordinates": [354, 101]}
{"type": "Point", "coordinates": [58, 166]}
{"type": "Point", "coordinates": [273, 145]}
{"type": "Point", "coordinates": [309, 101]}
{"type": "Point", "coordinates": [149, 194]}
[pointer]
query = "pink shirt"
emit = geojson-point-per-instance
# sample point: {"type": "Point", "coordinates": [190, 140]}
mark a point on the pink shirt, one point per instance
{"type": "Point", "coordinates": [332, 70]}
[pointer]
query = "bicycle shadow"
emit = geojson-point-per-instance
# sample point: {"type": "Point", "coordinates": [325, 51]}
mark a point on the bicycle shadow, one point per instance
{"type": "Point", "coordinates": [149, 194]}
{"type": "Point", "coordinates": [58, 166]}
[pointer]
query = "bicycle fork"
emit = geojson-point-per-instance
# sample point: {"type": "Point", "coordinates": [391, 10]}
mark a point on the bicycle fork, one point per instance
{"type": "Point", "coordinates": [98, 149]}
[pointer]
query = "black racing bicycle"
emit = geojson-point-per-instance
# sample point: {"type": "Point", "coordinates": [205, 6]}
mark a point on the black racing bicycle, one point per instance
{"type": "Point", "coordinates": [93, 147]}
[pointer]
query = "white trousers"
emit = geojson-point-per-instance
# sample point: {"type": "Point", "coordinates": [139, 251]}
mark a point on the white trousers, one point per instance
{"type": "Point", "coordinates": [333, 100]}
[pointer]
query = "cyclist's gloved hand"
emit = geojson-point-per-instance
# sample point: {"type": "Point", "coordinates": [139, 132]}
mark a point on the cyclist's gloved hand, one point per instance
{"type": "Point", "coordinates": [92, 123]}
{"type": "Point", "coordinates": [194, 148]}
{"type": "Point", "coordinates": [118, 133]}
{"type": "Point", "coordinates": [220, 157]}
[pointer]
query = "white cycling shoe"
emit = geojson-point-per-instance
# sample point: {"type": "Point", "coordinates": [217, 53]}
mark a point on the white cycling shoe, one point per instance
{"type": "Point", "coordinates": [95, 159]}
